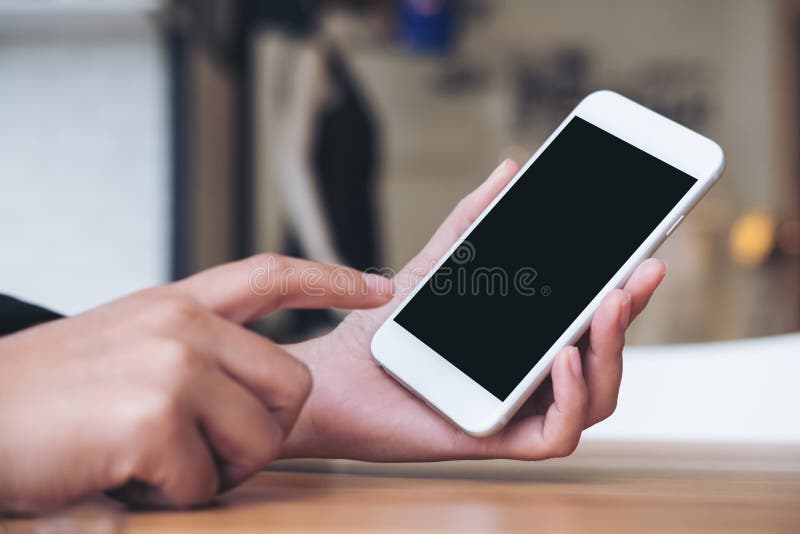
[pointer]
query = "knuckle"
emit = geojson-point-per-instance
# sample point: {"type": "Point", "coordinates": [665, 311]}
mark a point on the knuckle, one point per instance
{"type": "Point", "coordinates": [275, 264]}
{"type": "Point", "coordinates": [174, 311]}
{"type": "Point", "coordinates": [272, 262]}
{"type": "Point", "coordinates": [298, 384]}
{"type": "Point", "coordinates": [177, 358]}
{"type": "Point", "coordinates": [304, 382]}
{"type": "Point", "coordinates": [157, 414]}
{"type": "Point", "coordinates": [272, 270]}
{"type": "Point", "coordinates": [462, 205]}
{"type": "Point", "coordinates": [299, 390]}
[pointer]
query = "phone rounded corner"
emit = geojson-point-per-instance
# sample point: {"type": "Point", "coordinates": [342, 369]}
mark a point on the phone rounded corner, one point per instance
{"type": "Point", "coordinates": [719, 159]}
{"type": "Point", "coordinates": [598, 97]}
{"type": "Point", "coordinates": [483, 429]}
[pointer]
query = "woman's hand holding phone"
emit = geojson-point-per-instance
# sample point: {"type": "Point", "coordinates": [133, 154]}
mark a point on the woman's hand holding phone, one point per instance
{"type": "Point", "coordinates": [355, 410]}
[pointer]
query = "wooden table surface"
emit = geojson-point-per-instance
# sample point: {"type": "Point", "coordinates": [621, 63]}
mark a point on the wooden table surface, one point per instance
{"type": "Point", "coordinates": [561, 498]}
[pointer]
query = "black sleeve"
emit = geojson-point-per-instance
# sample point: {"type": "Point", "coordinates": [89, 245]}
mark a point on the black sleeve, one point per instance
{"type": "Point", "coordinates": [16, 315]}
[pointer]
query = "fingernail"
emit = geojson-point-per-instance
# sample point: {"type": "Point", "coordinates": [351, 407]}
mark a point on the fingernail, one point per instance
{"type": "Point", "coordinates": [575, 362]}
{"type": "Point", "coordinates": [378, 285]}
{"type": "Point", "coordinates": [625, 311]}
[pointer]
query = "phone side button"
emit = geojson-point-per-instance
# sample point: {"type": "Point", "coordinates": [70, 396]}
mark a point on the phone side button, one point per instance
{"type": "Point", "coordinates": [674, 225]}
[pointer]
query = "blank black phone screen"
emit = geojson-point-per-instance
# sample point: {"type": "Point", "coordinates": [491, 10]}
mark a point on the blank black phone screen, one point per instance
{"type": "Point", "coordinates": [556, 238]}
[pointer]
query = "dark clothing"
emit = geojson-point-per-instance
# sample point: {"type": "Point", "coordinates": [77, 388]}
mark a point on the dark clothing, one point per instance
{"type": "Point", "coordinates": [16, 315]}
{"type": "Point", "coordinates": [345, 158]}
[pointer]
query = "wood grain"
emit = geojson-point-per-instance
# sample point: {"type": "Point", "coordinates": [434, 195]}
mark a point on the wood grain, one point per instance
{"type": "Point", "coordinates": [540, 497]}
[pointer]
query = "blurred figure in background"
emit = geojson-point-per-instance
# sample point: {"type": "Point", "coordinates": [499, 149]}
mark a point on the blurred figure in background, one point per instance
{"type": "Point", "coordinates": [329, 160]}
{"type": "Point", "coordinates": [332, 148]}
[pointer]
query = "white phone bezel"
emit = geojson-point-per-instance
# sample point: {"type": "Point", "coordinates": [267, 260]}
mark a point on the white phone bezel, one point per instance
{"type": "Point", "coordinates": [454, 394]}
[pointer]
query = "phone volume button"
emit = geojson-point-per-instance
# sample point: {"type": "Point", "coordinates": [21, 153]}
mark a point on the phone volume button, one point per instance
{"type": "Point", "coordinates": [674, 225]}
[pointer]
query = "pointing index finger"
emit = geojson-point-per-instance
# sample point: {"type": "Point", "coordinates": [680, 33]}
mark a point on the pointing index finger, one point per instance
{"type": "Point", "coordinates": [245, 290]}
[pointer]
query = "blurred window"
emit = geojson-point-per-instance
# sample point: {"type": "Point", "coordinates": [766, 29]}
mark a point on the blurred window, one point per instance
{"type": "Point", "coordinates": [83, 152]}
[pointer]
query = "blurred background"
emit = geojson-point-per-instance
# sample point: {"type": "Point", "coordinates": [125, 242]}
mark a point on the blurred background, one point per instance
{"type": "Point", "coordinates": [143, 140]}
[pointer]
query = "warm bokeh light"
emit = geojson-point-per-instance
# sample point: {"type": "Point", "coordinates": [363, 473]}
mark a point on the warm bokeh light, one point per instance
{"type": "Point", "coordinates": [752, 238]}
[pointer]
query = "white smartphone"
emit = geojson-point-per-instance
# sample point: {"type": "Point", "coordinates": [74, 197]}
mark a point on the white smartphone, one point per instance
{"type": "Point", "coordinates": [479, 333]}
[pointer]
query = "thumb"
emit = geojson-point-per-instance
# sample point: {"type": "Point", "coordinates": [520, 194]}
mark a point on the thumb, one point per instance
{"type": "Point", "coordinates": [462, 216]}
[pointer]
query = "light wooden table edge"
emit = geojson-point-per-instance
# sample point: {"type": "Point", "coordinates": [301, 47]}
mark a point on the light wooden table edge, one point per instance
{"type": "Point", "coordinates": [590, 455]}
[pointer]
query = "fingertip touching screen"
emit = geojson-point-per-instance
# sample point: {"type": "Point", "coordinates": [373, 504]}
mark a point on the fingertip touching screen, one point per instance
{"type": "Point", "coordinates": [556, 238]}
